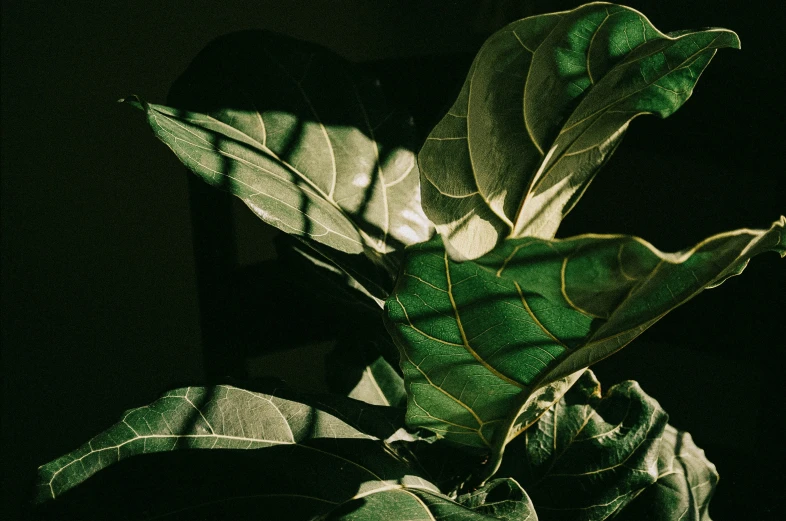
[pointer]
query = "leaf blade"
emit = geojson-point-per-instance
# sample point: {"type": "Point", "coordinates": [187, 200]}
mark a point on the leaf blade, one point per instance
{"type": "Point", "coordinates": [545, 104]}
{"type": "Point", "coordinates": [537, 312]}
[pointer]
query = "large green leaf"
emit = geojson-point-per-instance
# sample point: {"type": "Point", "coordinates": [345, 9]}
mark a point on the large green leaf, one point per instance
{"type": "Point", "coordinates": [589, 456]}
{"type": "Point", "coordinates": [545, 103]}
{"type": "Point", "coordinates": [221, 417]}
{"type": "Point", "coordinates": [487, 345]}
{"type": "Point", "coordinates": [686, 482]}
{"type": "Point", "coordinates": [311, 145]}
{"type": "Point", "coordinates": [288, 455]}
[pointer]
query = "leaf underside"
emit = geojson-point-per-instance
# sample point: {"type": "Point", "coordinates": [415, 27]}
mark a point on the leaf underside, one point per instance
{"type": "Point", "coordinates": [298, 456]}
{"type": "Point", "coordinates": [478, 339]}
{"type": "Point", "coordinates": [307, 142]}
{"type": "Point", "coordinates": [545, 103]}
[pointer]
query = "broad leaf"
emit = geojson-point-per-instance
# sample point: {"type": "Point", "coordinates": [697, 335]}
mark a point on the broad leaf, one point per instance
{"type": "Point", "coordinates": [220, 417]}
{"type": "Point", "coordinates": [545, 103]}
{"type": "Point", "coordinates": [309, 144]}
{"type": "Point", "coordinates": [290, 456]}
{"type": "Point", "coordinates": [479, 340]}
{"type": "Point", "coordinates": [502, 499]}
{"type": "Point", "coordinates": [686, 481]}
{"type": "Point", "coordinates": [589, 456]}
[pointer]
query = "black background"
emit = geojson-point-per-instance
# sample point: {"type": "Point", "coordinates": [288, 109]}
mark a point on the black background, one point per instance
{"type": "Point", "coordinates": [99, 296]}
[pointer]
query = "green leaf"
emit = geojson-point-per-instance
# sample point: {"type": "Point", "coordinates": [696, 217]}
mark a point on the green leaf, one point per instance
{"type": "Point", "coordinates": [220, 417]}
{"type": "Point", "coordinates": [359, 371]}
{"type": "Point", "coordinates": [686, 482]}
{"type": "Point", "coordinates": [502, 499]}
{"type": "Point", "coordinates": [308, 143]}
{"type": "Point", "coordinates": [479, 340]}
{"type": "Point", "coordinates": [292, 456]}
{"type": "Point", "coordinates": [545, 103]}
{"type": "Point", "coordinates": [589, 456]}
{"type": "Point", "coordinates": [406, 505]}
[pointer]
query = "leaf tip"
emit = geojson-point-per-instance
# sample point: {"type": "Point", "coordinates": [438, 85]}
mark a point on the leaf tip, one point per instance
{"type": "Point", "coordinates": [134, 101]}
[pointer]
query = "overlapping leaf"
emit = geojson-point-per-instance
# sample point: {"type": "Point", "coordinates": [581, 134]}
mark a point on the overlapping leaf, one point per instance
{"type": "Point", "coordinates": [308, 143]}
{"type": "Point", "coordinates": [220, 417]}
{"type": "Point", "coordinates": [295, 456]}
{"type": "Point", "coordinates": [480, 339]}
{"type": "Point", "coordinates": [501, 498]}
{"type": "Point", "coordinates": [589, 456]}
{"type": "Point", "coordinates": [546, 102]}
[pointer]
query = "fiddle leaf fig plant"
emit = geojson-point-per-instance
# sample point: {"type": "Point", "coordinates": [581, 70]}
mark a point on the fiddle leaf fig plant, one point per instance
{"type": "Point", "coordinates": [473, 399]}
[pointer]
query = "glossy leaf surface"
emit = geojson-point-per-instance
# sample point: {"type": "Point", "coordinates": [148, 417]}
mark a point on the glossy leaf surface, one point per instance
{"type": "Point", "coordinates": [545, 103]}
{"type": "Point", "coordinates": [309, 144]}
{"type": "Point", "coordinates": [479, 338]}
{"type": "Point", "coordinates": [589, 456]}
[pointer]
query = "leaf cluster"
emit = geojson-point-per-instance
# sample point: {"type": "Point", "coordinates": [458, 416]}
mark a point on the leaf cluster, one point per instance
{"type": "Point", "coordinates": [474, 400]}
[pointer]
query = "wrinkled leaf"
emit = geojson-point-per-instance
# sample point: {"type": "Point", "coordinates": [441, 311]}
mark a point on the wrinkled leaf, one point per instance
{"type": "Point", "coordinates": [502, 499]}
{"type": "Point", "coordinates": [686, 482]}
{"type": "Point", "coordinates": [308, 143]}
{"type": "Point", "coordinates": [478, 338]}
{"type": "Point", "coordinates": [588, 456]}
{"type": "Point", "coordinates": [545, 103]}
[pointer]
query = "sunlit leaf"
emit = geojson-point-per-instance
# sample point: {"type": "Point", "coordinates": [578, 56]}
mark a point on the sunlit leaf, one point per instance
{"type": "Point", "coordinates": [545, 103]}
{"type": "Point", "coordinates": [359, 370]}
{"type": "Point", "coordinates": [479, 340]}
{"type": "Point", "coordinates": [292, 456]}
{"type": "Point", "coordinates": [311, 145]}
{"type": "Point", "coordinates": [686, 482]}
{"type": "Point", "coordinates": [220, 417]}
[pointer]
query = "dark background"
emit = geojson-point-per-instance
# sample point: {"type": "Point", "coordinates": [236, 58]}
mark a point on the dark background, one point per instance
{"type": "Point", "coordinates": [99, 286]}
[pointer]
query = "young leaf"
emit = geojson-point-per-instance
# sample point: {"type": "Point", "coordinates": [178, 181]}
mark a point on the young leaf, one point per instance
{"type": "Point", "coordinates": [480, 339]}
{"type": "Point", "coordinates": [589, 456]}
{"type": "Point", "coordinates": [309, 144]}
{"type": "Point", "coordinates": [686, 482]}
{"type": "Point", "coordinates": [545, 103]}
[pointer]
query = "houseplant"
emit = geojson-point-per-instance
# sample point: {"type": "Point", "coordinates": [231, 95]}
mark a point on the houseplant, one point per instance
{"type": "Point", "coordinates": [494, 319]}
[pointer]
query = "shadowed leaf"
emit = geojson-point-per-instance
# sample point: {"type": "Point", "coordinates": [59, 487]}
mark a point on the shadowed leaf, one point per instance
{"type": "Point", "coordinates": [589, 456]}
{"type": "Point", "coordinates": [286, 454]}
{"type": "Point", "coordinates": [488, 345]}
{"type": "Point", "coordinates": [502, 499]}
{"type": "Point", "coordinates": [307, 142]}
